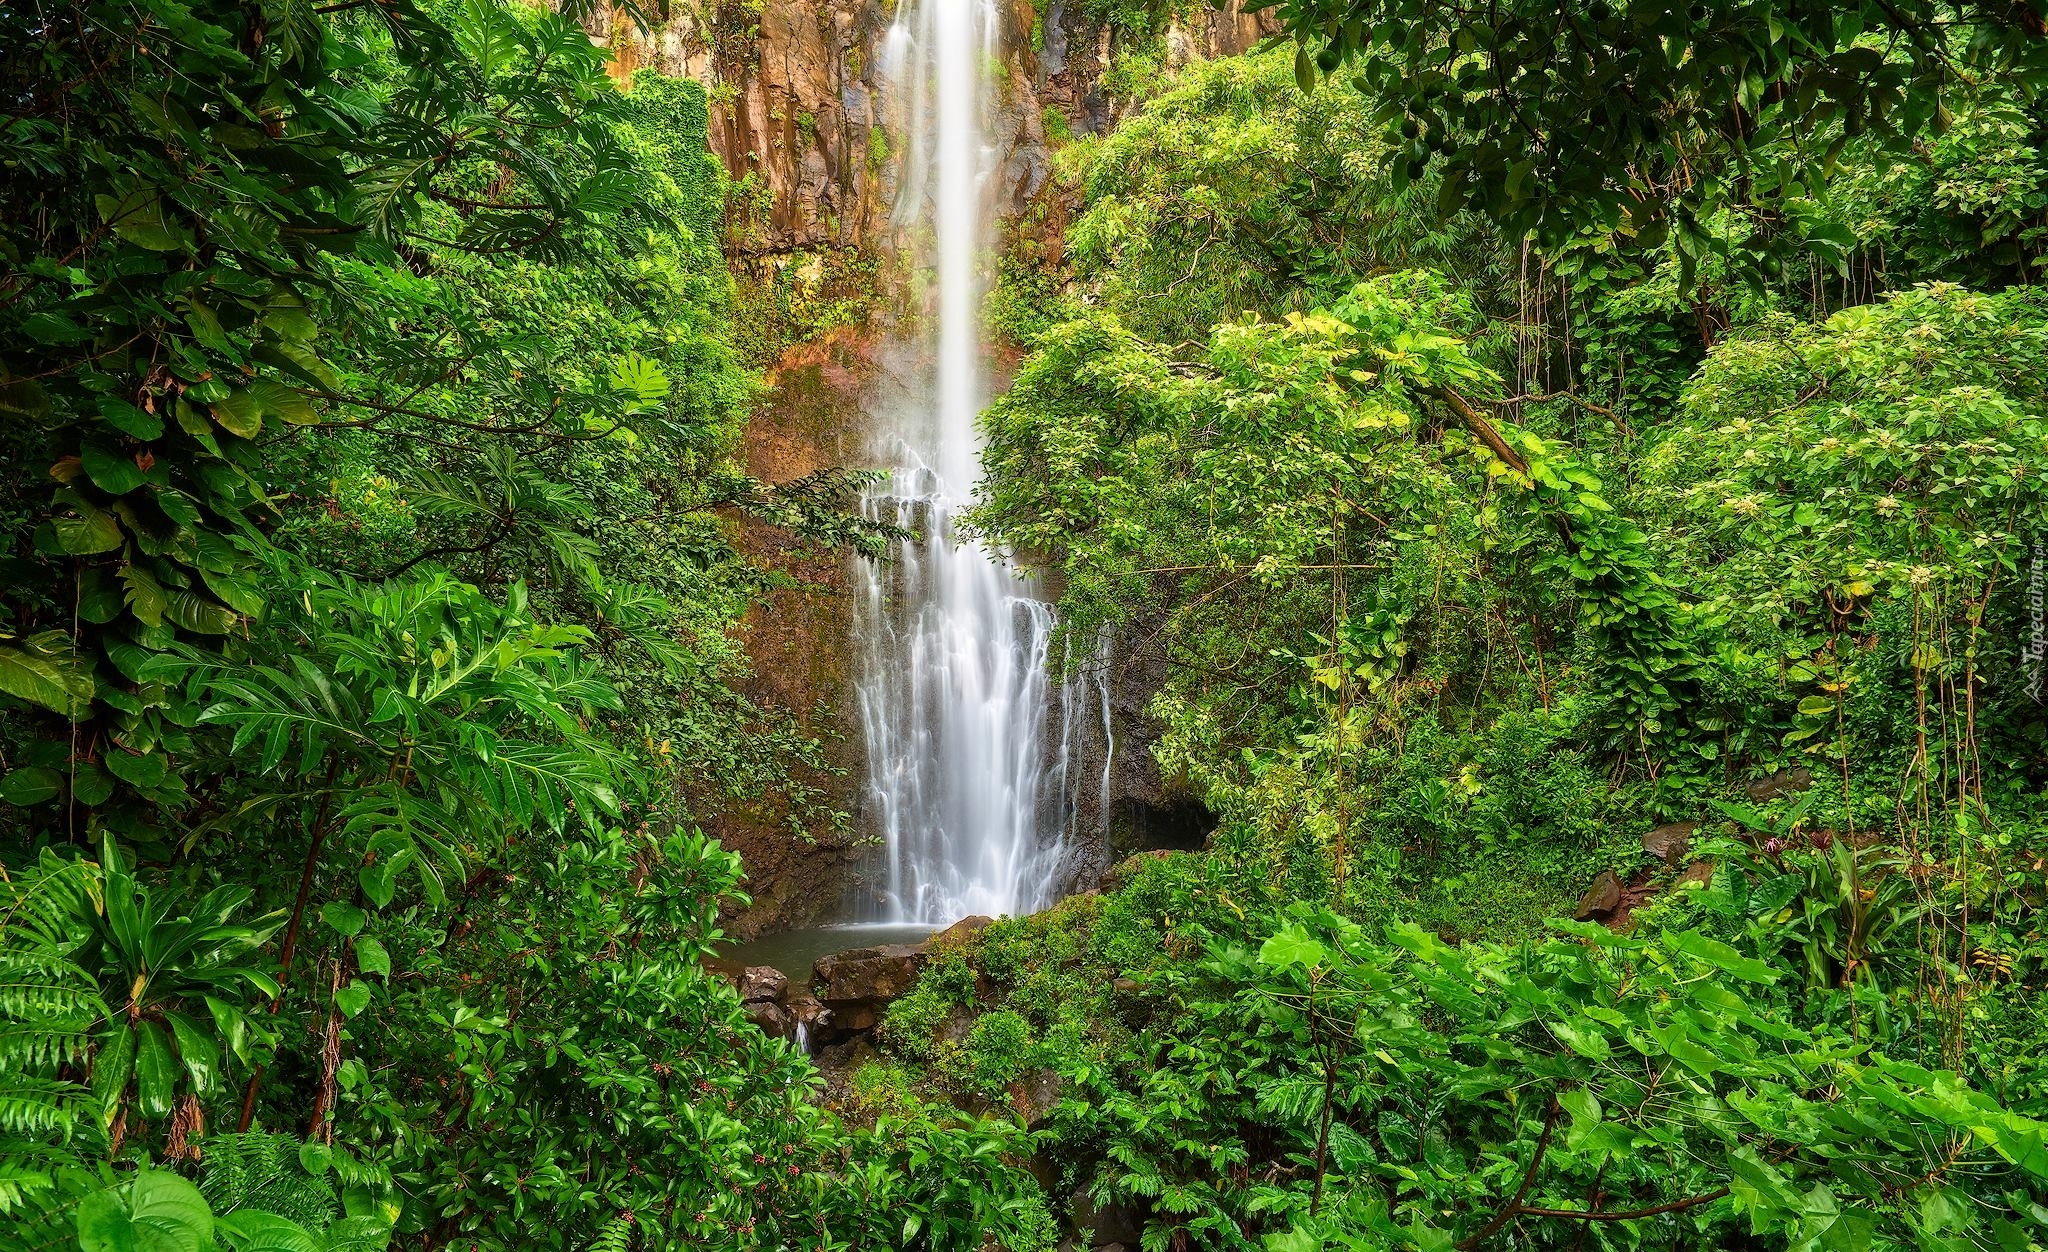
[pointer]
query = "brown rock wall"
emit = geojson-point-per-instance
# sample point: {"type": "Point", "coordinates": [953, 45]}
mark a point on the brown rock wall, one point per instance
{"type": "Point", "coordinates": [798, 95]}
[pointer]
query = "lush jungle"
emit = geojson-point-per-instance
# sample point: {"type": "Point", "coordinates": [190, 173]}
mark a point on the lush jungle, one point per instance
{"type": "Point", "coordinates": [1511, 428]}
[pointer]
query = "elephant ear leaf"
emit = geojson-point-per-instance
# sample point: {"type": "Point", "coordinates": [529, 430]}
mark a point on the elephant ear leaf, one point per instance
{"type": "Point", "coordinates": [158, 1212]}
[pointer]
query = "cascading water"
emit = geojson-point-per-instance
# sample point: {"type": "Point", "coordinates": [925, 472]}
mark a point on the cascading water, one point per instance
{"type": "Point", "coordinates": [955, 681]}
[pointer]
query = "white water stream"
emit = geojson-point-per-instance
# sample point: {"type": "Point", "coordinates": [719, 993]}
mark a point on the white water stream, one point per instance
{"type": "Point", "coordinates": [971, 804]}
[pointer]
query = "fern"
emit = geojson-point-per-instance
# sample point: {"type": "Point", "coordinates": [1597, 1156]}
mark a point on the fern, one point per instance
{"type": "Point", "coordinates": [263, 1171]}
{"type": "Point", "coordinates": [615, 1236]}
{"type": "Point", "coordinates": [48, 1006]}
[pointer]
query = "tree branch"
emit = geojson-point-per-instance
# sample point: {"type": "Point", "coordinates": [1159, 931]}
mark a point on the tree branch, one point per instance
{"type": "Point", "coordinates": [1629, 1215]}
{"type": "Point", "coordinates": [1513, 1208]}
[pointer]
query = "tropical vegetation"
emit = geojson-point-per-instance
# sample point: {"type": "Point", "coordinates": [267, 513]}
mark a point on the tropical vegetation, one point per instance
{"type": "Point", "coordinates": [1534, 444]}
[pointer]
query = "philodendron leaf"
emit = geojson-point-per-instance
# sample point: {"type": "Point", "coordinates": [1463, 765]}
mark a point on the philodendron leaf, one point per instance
{"type": "Point", "coordinates": [371, 958]}
{"type": "Point", "coordinates": [31, 784]}
{"type": "Point", "coordinates": [139, 217]}
{"type": "Point", "coordinates": [39, 675]}
{"type": "Point", "coordinates": [94, 530]}
{"type": "Point", "coordinates": [158, 1212]}
{"type": "Point", "coordinates": [353, 998]}
{"type": "Point", "coordinates": [343, 919]}
{"type": "Point", "coordinates": [110, 471]}
{"type": "Point", "coordinates": [198, 614]}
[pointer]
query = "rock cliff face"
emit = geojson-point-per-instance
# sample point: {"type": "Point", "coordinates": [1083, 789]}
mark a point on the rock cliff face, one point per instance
{"type": "Point", "coordinates": [800, 101]}
{"type": "Point", "coordinates": [801, 116]}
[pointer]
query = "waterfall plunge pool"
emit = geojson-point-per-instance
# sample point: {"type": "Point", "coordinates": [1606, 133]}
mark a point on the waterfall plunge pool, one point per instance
{"type": "Point", "coordinates": [795, 951]}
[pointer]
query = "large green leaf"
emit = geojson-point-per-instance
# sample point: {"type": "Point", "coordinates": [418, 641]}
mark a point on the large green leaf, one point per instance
{"type": "Point", "coordinates": [1292, 946]}
{"type": "Point", "coordinates": [198, 614]}
{"type": "Point", "coordinates": [112, 1067]}
{"type": "Point", "coordinates": [145, 596]}
{"type": "Point", "coordinates": [200, 1054]}
{"type": "Point", "coordinates": [285, 403]}
{"type": "Point", "coordinates": [42, 674]}
{"type": "Point", "coordinates": [156, 1071]}
{"type": "Point", "coordinates": [31, 784]}
{"type": "Point", "coordinates": [137, 769]}
{"type": "Point", "coordinates": [158, 1212]}
{"type": "Point", "coordinates": [109, 470]}
{"type": "Point", "coordinates": [251, 1230]}
{"type": "Point", "coordinates": [140, 218]}
{"type": "Point", "coordinates": [359, 1234]}
{"type": "Point", "coordinates": [241, 413]}
{"type": "Point", "coordinates": [94, 530]}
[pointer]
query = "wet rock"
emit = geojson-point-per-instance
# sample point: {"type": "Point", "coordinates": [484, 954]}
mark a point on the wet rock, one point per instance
{"type": "Point", "coordinates": [1034, 1096]}
{"type": "Point", "coordinates": [763, 982]}
{"type": "Point", "coordinates": [810, 1012]}
{"type": "Point", "coordinates": [858, 985]}
{"type": "Point", "coordinates": [774, 1020]}
{"type": "Point", "coordinates": [958, 934]}
{"type": "Point", "coordinates": [1668, 842]}
{"type": "Point", "coordinates": [1107, 1225]}
{"type": "Point", "coordinates": [1700, 872]}
{"type": "Point", "coordinates": [1602, 898]}
{"type": "Point", "coordinates": [878, 973]}
{"type": "Point", "coordinates": [1784, 782]}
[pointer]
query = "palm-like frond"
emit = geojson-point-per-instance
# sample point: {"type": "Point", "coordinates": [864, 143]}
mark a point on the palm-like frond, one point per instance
{"type": "Point", "coordinates": [446, 718]}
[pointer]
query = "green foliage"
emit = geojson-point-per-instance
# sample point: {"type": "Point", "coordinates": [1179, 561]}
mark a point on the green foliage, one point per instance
{"type": "Point", "coordinates": [1569, 123]}
{"type": "Point", "coordinates": [384, 363]}
{"type": "Point", "coordinates": [49, 1006]}
{"type": "Point", "coordinates": [159, 1210]}
{"type": "Point", "coordinates": [1217, 198]}
{"type": "Point", "coordinates": [159, 965]}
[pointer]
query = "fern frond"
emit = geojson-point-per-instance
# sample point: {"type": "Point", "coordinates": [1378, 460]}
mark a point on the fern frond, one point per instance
{"type": "Point", "coordinates": [616, 1236]}
{"type": "Point", "coordinates": [262, 1172]}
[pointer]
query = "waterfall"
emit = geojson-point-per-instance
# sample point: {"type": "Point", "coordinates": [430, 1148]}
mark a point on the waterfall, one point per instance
{"type": "Point", "coordinates": [954, 649]}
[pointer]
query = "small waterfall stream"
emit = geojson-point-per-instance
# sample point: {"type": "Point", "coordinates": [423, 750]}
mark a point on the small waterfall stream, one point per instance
{"type": "Point", "coordinates": [970, 802]}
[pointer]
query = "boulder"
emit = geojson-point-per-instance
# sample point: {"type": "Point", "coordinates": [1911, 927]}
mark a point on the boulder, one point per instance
{"type": "Point", "coordinates": [1034, 1096]}
{"type": "Point", "coordinates": [1602, 898]}
{"type": "Point", "coordinates": [1668, 842]}
{"type": "Point", "coordinates": [1784, 782]}
{"type": "Point", "coordinates": [1107, 1225]}
{"type": "Point", "coordinates": [763, 982]}
{"type": "Point", "coordinates": [774, 1020]}
{"type": "Point", "coordinates": [854, 1017]}
{"type": "Point", "coordinates": [959, 933]}
{"type": "Point", "coordinates": [867, 974]}
{"type": "Point", "coordinates": [1701, 872]}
